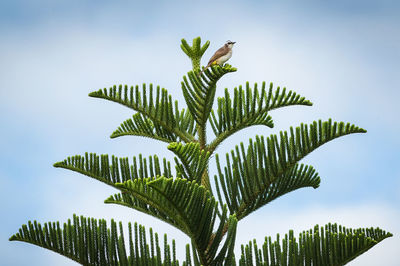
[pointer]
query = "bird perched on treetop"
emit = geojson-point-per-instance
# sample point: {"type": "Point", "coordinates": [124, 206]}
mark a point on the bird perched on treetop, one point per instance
{"type": "Point", "coordinates": [222, 55]}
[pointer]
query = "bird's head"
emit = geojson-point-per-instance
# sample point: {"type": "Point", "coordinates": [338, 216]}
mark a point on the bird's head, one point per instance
{"type": "Point", "coordinates": [230, 43]}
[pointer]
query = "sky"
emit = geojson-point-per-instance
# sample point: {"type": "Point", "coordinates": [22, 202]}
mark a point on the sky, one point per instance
{"type": "Point", "coordinates": [343, 56]}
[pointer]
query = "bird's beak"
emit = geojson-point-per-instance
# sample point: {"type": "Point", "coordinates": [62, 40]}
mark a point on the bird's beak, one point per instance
{"type": "Point", "coordinates": [233, 42]}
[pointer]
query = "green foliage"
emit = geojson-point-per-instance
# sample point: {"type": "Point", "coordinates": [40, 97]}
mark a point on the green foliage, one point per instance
{"type": "Point", "coordinates": [90, 242]}
{"type": "Point", "coordinates": [269, 169]}
{"type": "Point", "coordinates": [329, 245]}
{"type": "Point", "coordinates": [194, 52]}
{"type": "Point", "coordinates": [199, 93]}
{"type": "Point", "coordinates": [248, 108]}
{"type": "Point", "coordinates": [118, 170]}
{"type": "Point", "coordinates": [252, 177]}
{"type": "Point", "coordinates": [193, 161]}
{"type": "Point", "coordinates": [191, 208]}
{"type": "Point", "coordinates": [138, 195]}
{"type": "Point", "coordinates": [141, 126]}
{"type": "Point", "coordinates": [168, 123]}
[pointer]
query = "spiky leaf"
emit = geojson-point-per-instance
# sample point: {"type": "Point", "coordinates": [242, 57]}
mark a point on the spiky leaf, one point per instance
{"type": "Point", "coordinates": [191, 208]}
{"type": "Point", "coordinates": [199, 91]}
{"type": "Point", "coordinates": [269, 168]}
{"type": "Point", "coordinates": [140, 125]}
{"type": "Point", "coordinates": [249, 107]}
{"type": "Point", "coordinates": [138, 195]}
{"type": "Point", "coordinates": [156, 106]}
{"type": "Point", "coordinates": [193, 160]}
{"type": "Point", "coordinates": [90, 242]}
{"type": "Point", "coordinates": [194, 52]}
{"type": "Point", "coordinates": [329, 245]}
{"type": "Point", "coordinates": [118, 170]}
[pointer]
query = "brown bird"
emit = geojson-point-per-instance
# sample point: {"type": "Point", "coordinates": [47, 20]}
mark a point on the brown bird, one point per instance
{"type": "Point", "coordinates": [222, 55]}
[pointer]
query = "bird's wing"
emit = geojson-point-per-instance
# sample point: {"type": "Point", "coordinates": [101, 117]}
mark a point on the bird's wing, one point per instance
{"type": "Point", "coordinates": [220, 52]}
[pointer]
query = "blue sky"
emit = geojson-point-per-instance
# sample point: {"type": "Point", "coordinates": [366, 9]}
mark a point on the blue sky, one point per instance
{"type": "Point", "coordinates": [344, 57]}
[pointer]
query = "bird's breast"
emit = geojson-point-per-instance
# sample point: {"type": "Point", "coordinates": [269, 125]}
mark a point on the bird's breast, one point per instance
{"type": "Point", "coordinates": [224, 58]}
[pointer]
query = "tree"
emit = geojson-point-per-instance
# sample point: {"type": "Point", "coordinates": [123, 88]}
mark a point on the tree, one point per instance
{"type": "Point", "coordinates": [252, 177]}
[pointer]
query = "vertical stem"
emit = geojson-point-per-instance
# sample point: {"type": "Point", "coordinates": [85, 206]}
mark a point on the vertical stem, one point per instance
{"type": "Point", "coordinates": [202, 137]}
{"type": "Point", "coordinates": [195, 52]}
{"type": "Point", "coordinates": [196, 64]}
{"type": "Point", "coordinates": [205, 179]}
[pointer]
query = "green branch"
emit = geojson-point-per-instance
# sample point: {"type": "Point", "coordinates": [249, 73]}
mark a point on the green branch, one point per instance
{"type": "Point", "coordinates": [160, 111]}
{"type": "Point", "coordinates": [198, 210]}
{"type": "Point", "coordinates": [249, 107]}
{"type": "Point", "coordinates": [266, 171]}
{"type": "Point", "coordinates": [142, 126]}
{"type": "Point", "coordinates": [329, 245]}
{"type": "Point", "coordinates": [193, 161]}
{"type": "Point", "coordinates": [90, 242]}
{"type": "Point", "coordinates": [194, 52]}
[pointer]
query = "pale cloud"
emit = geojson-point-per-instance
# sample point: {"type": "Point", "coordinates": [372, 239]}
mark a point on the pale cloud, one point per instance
{"type": "Point", "coordinates": [54, 69]}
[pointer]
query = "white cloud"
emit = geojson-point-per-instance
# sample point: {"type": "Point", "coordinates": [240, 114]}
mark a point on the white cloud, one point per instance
{"type": "Point", "coordinates": [46, 76]}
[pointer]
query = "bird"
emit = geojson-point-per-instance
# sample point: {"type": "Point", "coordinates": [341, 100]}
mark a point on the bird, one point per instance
{"type": "Point", "coordinates": [222, 55]}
